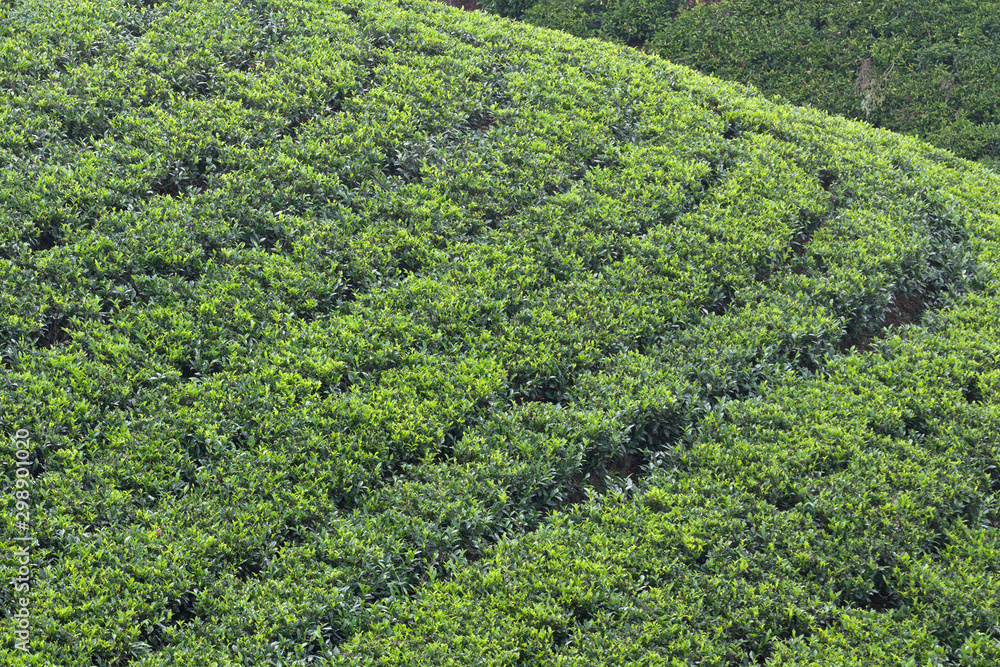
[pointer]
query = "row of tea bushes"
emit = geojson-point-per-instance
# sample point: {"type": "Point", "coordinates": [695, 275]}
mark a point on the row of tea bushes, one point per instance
{"type": "Point", "coordinates": [314, 314]}
{"type": "Point", "coordinates": [850, 518]}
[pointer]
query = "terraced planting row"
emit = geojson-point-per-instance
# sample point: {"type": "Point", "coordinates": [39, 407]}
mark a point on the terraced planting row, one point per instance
{"type": "Point", "coordinates": [382, 333]}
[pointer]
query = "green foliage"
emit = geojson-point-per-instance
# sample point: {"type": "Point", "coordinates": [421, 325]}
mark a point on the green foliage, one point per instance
{"type": "Point", "coordinates": [921, 68]}
{"type": "Point", "coordinates": [630, 21]}
{"type": "Point", "coordinates": [508, 8]}
{"type": "Point", "coordinates": [380, 333]}
{"type": "Point", "coordinates": [573, 16]}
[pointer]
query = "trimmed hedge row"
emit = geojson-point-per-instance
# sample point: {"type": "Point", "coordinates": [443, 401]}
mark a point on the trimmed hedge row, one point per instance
{"type": "Point", "coordinates": [317, 310]}
{"type": "Point", "coordinates": [849, 518]}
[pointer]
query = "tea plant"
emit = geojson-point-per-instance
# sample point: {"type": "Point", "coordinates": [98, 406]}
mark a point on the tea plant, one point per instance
{"type": "Point", "coordinates": [381, 333]}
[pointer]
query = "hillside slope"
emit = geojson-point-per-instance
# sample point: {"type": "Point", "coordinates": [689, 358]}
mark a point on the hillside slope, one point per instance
{"type": "Point", "coordinates": [379, 333]}
{"type": "Point", "coordinates": [926, 68]}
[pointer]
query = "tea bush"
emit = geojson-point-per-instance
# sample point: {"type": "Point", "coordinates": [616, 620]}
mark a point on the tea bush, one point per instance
{"type": "Point", "coordinates": [379, 333]}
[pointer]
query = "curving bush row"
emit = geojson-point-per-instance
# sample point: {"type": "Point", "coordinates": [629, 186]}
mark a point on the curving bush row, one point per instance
{"type": "Point", "coordinates": [381, 333]}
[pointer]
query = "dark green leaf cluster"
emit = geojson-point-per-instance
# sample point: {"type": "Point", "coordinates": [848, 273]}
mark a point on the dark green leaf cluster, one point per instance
{"type": "Point", "coordinates": [633, 22]}
{"type": "Point", "coordinates": [379, 332]}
